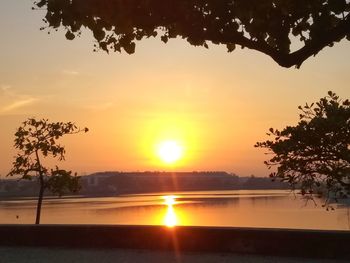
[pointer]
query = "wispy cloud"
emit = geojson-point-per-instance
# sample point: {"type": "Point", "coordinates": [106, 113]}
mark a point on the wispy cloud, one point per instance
{"type": "Point", "coordinates": [70, 72]}
{"type": "Point", "coordinates": [11, 101]}
{"type": "Point", "coordinates": [5, 88]}
{"type": "Point", "coordinates": [18, 104]}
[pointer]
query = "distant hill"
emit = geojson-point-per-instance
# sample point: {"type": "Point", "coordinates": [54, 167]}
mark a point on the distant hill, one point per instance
{"type": "Point", "coordinates": [146, 182]}
{"type": "Point", "coordinates": [115, 183]}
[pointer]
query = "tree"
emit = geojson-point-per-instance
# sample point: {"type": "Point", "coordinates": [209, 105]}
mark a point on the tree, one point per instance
{"type": "Point", "coordinates": [314, 155]}
{"type": "Point", "coordinates": [36, 140]}
{"type": "Point", "coordinates": [268, 26]}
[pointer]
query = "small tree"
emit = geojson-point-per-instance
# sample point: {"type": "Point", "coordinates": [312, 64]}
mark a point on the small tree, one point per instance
{"type": "Point", "coordinates": [37, 140]}
{"type": "Point", "coordinates": [315, 154]}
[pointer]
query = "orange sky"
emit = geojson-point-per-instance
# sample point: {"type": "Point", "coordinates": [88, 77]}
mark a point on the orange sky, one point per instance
{"type": "Point", "coordinates": [217, 105]}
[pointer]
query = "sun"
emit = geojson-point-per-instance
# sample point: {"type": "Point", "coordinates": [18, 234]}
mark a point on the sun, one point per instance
{"type": "Point", "coordinates": [169, 151]}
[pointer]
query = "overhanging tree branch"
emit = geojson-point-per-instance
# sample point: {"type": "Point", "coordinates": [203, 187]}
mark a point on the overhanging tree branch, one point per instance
{"type": "Point", "coordinates": [266, 26]}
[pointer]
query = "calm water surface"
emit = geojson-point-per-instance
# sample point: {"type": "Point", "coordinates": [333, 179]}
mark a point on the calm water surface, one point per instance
{"type": "Point", "coordinates": [245, 208]}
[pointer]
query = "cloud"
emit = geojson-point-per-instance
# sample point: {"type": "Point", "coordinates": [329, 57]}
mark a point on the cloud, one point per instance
{"type": "Point", "coordinates": [5, 88]}
{"type": "Point", "coordinates": [20, 103]}
{"type": "Point", "coordinates": [11, 101]}
{"type": "Point", "coordinates": [5, 91]}
{"type": "Point", "coordinates": [70, 72]}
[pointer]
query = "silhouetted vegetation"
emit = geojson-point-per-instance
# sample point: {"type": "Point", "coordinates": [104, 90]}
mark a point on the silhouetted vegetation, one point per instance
{"type": "Point", "coordinates": [37, 140]}
{"type": "Point", "coordinates": [267, 26]}
{"type": "Point", "coordinates": [315, 154]}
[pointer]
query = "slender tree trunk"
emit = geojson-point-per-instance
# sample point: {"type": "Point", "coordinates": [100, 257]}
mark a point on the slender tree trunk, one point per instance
{"type": "Point", "coordinates": [41, 191]}
{"type": "Point", "coordinates": [40, 201]}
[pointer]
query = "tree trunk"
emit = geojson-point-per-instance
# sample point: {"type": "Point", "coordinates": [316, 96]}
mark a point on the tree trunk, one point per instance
{"type": "Point", "coordinates": [41, 191]}
{"type": "Point", "coordinates": [40, 201]}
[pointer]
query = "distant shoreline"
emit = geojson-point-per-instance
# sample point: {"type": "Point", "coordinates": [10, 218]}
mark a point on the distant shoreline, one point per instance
{"type": "Point", "coordinates": [121, 183]}
{"type": "Point", "coordinates": [79, 196]}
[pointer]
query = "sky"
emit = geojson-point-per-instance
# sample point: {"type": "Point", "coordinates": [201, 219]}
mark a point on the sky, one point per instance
{"type": "Point", "coordinates": [215, 105]}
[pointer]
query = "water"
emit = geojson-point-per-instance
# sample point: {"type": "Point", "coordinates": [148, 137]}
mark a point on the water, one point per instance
{"type": "Point", "coordinates": [245, 208]}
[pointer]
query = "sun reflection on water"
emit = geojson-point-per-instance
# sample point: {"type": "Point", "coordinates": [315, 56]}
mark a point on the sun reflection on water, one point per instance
{"type": "Point", "coordinates": [170, 219]}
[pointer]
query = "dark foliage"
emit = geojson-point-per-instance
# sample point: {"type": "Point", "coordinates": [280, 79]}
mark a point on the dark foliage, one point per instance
{"type": "Point", "coordinates": [268, 26]}
{"type": "Point", "coordinates": [315, 154]}
{"type": "Point", "coordinates": [37, 140]}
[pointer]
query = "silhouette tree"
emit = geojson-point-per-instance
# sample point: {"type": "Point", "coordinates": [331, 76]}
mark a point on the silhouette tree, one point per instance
{"type": "Point", "coordinates": [37, 140]}
{"type": "Point", "coordinates": [268, 26]}
{"type": "Point", "coordinates": [315, 154]}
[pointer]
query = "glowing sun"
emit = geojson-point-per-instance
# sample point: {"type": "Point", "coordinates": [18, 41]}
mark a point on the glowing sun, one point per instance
{"type": "Point", "coordinates": [169, 151]}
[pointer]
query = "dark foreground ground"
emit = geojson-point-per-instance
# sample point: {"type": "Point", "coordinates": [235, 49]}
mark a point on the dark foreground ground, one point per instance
{"type": "Point", "coordinates": [56, 255]}
{"type": "Point", "coordinates": [152, 244]}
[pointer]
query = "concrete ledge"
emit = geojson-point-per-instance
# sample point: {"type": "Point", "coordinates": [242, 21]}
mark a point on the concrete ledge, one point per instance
{"type": "Point", "coordinates": [276, 242]}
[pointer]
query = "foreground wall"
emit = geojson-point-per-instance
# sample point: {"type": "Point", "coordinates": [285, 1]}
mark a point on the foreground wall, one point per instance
{"type": "Point", "coordinates": [277, 242]}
